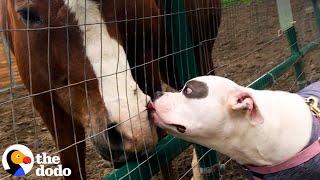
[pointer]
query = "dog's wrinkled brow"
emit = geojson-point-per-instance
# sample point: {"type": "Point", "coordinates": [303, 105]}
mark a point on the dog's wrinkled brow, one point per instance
{"type": "Point", "coordinates": [199, 89]}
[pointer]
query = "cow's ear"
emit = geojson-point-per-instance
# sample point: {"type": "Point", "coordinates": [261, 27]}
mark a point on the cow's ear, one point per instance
{"type": "Point", "coordinates": [242, 101]}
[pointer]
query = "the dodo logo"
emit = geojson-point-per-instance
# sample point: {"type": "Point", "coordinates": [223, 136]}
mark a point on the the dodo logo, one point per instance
{"type": "Point", "coordinates": [17, 160]}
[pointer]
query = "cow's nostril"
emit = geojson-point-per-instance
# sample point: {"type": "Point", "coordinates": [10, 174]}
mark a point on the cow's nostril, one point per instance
{"type": "Point", "coordinates": [158, 94]}
{"type": "Point", "coordinates": [114, 136]}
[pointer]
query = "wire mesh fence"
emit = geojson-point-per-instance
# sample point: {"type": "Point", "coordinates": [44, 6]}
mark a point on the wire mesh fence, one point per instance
{"type": "Point", "coordinates": [66, 46]}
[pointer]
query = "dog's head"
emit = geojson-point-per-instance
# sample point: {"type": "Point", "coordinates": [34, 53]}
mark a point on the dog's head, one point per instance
{"type": "Point", "coordinates": [206, 107]}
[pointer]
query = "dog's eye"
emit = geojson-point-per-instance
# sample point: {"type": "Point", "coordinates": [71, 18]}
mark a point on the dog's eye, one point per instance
{"type": "Point", "coordinates": [30, 16]}
{"type": "Point", "coordinates": [187, 90]}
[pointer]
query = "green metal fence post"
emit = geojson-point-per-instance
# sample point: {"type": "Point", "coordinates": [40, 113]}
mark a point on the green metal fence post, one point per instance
{"type": "Point", "coordinates": [209, 164]}
{"type": "Point", "coordinates": [316, 13]}
{"type": "Point", "coordinates": [287, 26]}
{"type": "Point", "coordinates": [294, 47]}
{"type": "Point", "coordinates": [176, 23]}
{"type": "Point", "coordinates": [187, 68]}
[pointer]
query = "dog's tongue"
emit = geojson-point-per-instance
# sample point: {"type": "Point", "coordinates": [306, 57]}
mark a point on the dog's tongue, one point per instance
{"type": "Point", "coordinates": [180, 128]}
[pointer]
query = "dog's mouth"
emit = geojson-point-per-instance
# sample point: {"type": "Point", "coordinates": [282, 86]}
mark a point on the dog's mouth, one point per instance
{"type": "Point", "coordinates": [154, 116]}
{"type": "Point", "coordinates": [179, 128]}
{"type": "Point", "coordinates": [170, 127]}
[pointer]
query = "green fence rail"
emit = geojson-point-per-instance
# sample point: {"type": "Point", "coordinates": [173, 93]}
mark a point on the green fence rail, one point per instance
{"type": "Point", "coordinates": [170, 147]}
{"type": "Point", "coordinates": [167, 149]}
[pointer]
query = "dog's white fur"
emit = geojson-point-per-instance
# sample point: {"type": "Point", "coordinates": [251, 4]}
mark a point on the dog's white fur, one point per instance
{"type": "Point", "coordinates": [256, 127]}
{"type": "Point", "coordinates": [123, 98]}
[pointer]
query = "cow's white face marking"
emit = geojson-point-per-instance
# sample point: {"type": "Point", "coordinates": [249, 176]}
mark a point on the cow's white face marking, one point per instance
{"type": "Point", "coordinates": [123, 99]}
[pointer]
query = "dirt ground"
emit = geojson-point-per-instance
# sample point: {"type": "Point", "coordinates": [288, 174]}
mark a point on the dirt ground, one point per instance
{"type": "Point", "coordinates": [249, 44]}
{"type": "Point", "coordinates": [5, 79]}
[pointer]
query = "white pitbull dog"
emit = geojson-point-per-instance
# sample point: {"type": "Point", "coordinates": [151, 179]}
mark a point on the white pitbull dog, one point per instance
{"type": "Point", "coordinates": [266, 131]}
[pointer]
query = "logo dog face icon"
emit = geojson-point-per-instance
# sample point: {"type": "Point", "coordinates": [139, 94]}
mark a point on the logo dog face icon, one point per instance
{"type": "Point", "coordinates": [17, 160]}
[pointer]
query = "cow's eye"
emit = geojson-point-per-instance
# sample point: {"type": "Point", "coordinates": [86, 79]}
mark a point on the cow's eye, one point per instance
{"type": "Point", "coordinates": [30, 16]}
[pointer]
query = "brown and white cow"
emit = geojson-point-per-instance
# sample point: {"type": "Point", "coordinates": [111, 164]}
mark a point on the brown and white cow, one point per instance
{"type": "Point", "coordinates": [83, 62]}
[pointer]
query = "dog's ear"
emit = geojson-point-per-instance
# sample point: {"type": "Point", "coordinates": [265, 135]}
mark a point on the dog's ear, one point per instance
{"type": "Point", "coordinates": [242, 101]}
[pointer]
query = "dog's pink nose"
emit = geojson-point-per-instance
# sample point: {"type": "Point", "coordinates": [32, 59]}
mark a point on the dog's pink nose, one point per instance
{"type": "Point", "coordinates": [150, 106]}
